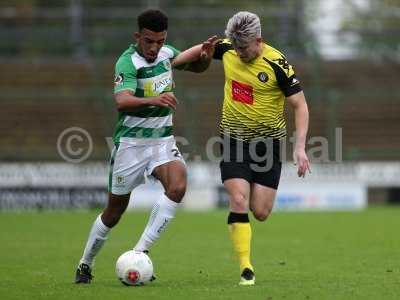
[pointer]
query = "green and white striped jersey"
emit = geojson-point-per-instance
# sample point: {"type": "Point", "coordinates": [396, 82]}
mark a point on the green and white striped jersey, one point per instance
{"type": "Point", "coordinates": [133, 72]}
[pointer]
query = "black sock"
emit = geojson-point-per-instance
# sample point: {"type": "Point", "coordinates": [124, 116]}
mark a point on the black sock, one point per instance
{"type": "Point", "coordinates": [238, 218]}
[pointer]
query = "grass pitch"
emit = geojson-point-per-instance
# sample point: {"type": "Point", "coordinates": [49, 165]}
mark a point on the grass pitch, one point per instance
{"type": "Point", "coordinates": [338, 255]}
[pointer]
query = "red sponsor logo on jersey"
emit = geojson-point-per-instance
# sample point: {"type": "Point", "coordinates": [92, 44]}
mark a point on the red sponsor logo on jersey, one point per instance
{"type": "Point", "coordinates": [242, 92]}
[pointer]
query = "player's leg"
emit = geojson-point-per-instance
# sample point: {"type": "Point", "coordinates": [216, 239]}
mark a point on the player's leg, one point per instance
{"type": "Point", "coordinates": [98, 234]}
{"type": "Point", "coordinates": [237, 177]}
{"type": "Point", "coordinates": [238, 190]}
{"type": "Point", "coordinates": [126, 172]}
{"type": "Point", "coordinates": [261, 201]}
{"type": "Point", "coordinates": [266, 177]}
{"type": "Point", "coordinates": [116, 206]}
{"type": "Point", "coordinates": [104, 222]}
{"type": "Point", "coordinates": [172, 175]}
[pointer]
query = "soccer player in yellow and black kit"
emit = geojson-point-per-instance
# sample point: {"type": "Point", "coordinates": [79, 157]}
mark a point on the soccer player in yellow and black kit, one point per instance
{"type": "Point", "coordinates": [258, 82]}
{"type": "Point", "coordinates": [258, 79]}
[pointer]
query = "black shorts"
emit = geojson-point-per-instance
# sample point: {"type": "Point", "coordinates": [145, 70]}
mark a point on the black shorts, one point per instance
{"type": "Point", "coordinates": [257, 162]}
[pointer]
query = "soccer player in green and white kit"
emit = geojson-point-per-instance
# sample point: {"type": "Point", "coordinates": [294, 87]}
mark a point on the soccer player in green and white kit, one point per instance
{"type": "Point", "coordinates": [144, 144]}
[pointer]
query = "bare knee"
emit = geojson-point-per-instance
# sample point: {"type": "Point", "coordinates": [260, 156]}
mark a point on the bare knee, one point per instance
{"type": "Point", "coordinates": [238, 202]}
{"type": "Point", "coordinates": [262, 215]}
{"type": "Point", "coordinates": [176, 192]}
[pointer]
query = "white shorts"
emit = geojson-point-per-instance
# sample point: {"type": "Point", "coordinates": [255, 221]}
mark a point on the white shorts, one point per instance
{"type": "Point", "coordinates": [130, 164]}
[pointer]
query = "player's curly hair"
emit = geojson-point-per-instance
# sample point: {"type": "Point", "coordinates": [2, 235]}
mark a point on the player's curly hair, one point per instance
{"type": "Point", "coordinates": [243, 27]}
{"type": "Point", "coordinates": [153, 19]}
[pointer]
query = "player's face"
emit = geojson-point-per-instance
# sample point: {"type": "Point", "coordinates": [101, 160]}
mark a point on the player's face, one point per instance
{"type": "Point", "coordinates": [247, 51]}
{"type": "Point", "coordinates": [150, 43]}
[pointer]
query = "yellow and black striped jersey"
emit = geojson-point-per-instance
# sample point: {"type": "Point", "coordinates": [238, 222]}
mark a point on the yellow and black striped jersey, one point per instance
{"type": "Point", "coordinates": [254, 93]}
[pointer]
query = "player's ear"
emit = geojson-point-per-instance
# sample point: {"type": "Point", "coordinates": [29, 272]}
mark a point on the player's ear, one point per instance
{"type": "Point", "coordinates": [136, 36]}
{"type": "Point", "coordinates": [259, 40]}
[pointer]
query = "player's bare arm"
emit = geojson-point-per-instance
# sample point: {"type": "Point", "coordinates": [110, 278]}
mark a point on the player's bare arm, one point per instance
{"type": "Point", "coordinates": [197, 58]}
{"type": "Point", "coordinates": [299, 104]}
{"type": "Point", "coordinates": [126, 101]}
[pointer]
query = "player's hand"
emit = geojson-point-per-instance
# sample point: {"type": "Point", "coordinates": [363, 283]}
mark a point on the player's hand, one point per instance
{"type": "Point", "coordinates": [301, 161]}
{"type": "Point", "coordinates": [208, 47]}
{"type": "Point", "coordinates": [165, 100]}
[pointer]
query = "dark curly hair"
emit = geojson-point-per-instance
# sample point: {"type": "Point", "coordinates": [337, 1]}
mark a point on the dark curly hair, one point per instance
{"type": "Point", "coordinates": [153, 19]}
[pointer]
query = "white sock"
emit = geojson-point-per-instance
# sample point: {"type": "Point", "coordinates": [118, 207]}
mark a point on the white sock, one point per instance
{"type": "Point", "coordinates": [97, 237]}
{"type": "Point", "coordinates": [162, 213]}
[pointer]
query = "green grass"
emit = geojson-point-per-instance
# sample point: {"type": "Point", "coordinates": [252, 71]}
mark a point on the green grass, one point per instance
{"type": "Point", "coordinates": [341, 255]}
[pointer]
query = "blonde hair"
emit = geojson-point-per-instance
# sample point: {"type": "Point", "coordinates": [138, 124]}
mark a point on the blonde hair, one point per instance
{"type": "Point", "coordinates": [243, 27]}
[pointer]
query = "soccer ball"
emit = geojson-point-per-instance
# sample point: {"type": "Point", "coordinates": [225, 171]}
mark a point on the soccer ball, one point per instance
{"type": "Point", "coordinates": [134, 268]}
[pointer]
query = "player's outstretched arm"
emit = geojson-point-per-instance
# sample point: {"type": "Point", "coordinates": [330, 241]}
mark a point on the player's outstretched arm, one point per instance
{"type": "Point", "coordinates": [128, 102]}
{"type": "Point", "coordinates": [299, 104]}
{"type": "Point", "coordinates": [197, 58]}
{"type": "Point", "coordinates": [188, 56]}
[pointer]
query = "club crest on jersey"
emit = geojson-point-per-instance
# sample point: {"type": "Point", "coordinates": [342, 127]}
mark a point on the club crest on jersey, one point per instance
{"type": "Point", "coordinates": [120, 180]}
{"type": "Point", "coordinates": [119, 79]}
{"type": "Point", "coordinates": [262, 76]}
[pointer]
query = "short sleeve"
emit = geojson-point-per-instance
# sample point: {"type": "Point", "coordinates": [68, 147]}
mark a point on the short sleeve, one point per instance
{"type": "Point", "coordinates": [174, 52]}
{"type": "Point", "coordinates": [285, 75]}
{"type": "Point", "coordinates": [220, 48]}
{"type": "Point", "coordinates": [125, 75]}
